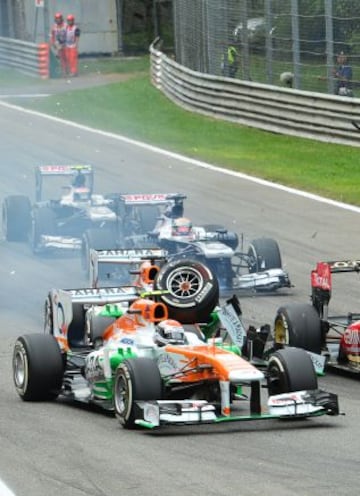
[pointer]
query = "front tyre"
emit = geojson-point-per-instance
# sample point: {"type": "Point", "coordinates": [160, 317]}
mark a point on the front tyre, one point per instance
{"type": "Point", "coordinates": [264, 254]}
{"type": "Point", "coordinates": [136, 379]}
{"type": "Point", "coordinates": [37, 367]}
{"type": "Point", "coordinates": [290, 369]}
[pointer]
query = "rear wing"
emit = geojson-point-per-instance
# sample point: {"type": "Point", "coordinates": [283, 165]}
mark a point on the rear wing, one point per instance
{"type": "Point", "coordinates": [43, 171]}
{"type": "Point", "coordinates": [321, 276]}
{"type": "Point", "coordinates": [152, 198]}
{"type": "Point", "coordinates": [63, 170]}
{"type": "Point", "coordinates": [131, 257]}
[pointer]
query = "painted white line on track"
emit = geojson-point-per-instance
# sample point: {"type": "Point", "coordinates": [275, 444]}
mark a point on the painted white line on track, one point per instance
{"type": "Point", "coordinates": [26, 95]}
{"type": "Point", "coordinates": [4, 490]}
{"type": "Point", "coordinates": [197, 163]}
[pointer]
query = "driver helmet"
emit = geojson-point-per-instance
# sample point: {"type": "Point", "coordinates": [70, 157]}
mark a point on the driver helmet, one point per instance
{"type": "Point", "coordinates": [169, 332]}
{"type": "Point", "coordinates": [182, 227]}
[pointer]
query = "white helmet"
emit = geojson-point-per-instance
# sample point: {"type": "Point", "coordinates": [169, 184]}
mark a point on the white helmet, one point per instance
{"type": "Point", "coordinates": [169, 332]}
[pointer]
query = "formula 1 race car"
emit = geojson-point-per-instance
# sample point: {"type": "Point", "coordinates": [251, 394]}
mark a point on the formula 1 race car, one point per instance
{"type": "Point", "coordinates": [58, 222]}
{"type": "Point", "coordinates": [334, 340]}
{"type": "Point", "coordinates": [133, 357]}
{"type": "Point", "coordinates": [210, 244]}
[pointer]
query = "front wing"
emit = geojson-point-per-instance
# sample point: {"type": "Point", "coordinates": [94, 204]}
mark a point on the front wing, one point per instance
{"type": "Point", "coordinates": [298, 404]}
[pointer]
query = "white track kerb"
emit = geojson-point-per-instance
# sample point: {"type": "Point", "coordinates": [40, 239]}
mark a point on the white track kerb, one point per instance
{"type": "Point", "coordinates": [4, 490]}
{"type": "Point", "coordinates": [197, 163]}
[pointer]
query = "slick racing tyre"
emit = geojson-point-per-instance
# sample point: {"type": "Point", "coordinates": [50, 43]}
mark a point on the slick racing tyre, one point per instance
{"type": "Point", "coordinates": [37, 367]}
{"type": "Point", "coordinates": [298, 325]}
{"type": "Point", "coordinates": [43, 222]}
{"type": "Point", "coordinates": [192, 290]}
{"type": "Point", "coordinates": [136, 379]}
{"type": "Point", "coordinates": [16, 218]}
{"type": "Point", "coordinates": [264, 254]}
{"type": "Point", "coordinates": [290, 369]}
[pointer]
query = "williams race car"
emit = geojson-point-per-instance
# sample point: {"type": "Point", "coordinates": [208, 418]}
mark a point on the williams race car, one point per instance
{"type": "Point", "coordinates": [210, 244]}
{"type": "Point", "coordinates": [133, 357]}
{"type": "Point", "coordinates": [61, 213]}
{"type": "Point", "coordinates": [334, 339]}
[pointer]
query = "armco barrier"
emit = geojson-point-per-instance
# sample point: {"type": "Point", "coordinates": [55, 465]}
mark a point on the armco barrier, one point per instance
{"type": "Point", "coordinates": [281, 110]}
{"type": "Point", "coordinates": [29, 58]}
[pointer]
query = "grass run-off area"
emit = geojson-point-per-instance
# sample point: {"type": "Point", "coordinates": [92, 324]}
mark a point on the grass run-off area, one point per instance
{"type": "Point", "coordinates": [134, 108]}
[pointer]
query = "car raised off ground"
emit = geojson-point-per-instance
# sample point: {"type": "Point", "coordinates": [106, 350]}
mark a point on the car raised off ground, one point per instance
{"type": "Point", "coordinates": [155, 364]}
{"type": "Point", "coordinates": [333, 339]}
{"type": "Point", "coordinates": [156, 220]}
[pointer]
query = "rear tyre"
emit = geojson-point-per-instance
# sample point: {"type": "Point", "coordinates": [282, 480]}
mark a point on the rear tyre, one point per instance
{"type": "Point", "coordinates": [96, 325]}
{"type": "Point", "coordinates": [136, 379]}
{"type": "Point", "coordinates": [298, 325]}
{"type": "Point", "coordinates": [16, 218]}
{"type": "Point", "coordinates": [192, 290]}
{"type": "Point", "coordinates": [37, 367]}
{"type": "Point", "coordinates": [264, 254]}
{"type": "Point", "coordinates": [290, 369]}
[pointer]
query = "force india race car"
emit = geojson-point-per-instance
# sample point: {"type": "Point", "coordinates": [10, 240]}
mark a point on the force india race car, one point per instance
{"type": "Point", "coordinates": [61, 213]}
{"type": "Point", "coordinates": [135, 359]}
{"type": "Point", "coordinates": [210, 244]}
{"type": "Point", "coordinates": [335, 339]}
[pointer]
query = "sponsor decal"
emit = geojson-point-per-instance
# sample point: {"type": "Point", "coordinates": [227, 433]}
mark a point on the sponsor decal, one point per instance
{"type": "Point", "coordinates": [206, 289]}
{"type": "Point", "coordinates": [233, 325]}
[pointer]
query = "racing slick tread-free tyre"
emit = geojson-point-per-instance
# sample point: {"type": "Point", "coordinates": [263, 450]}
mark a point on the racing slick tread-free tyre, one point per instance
{"type": "Point", "coordinates": [43, 222]}
{"type": "Point", "coordinates": [298, 325]}
{"type": "Point", "coordinates": [16, 218]}
{"type": "Point", "coordinates": [37, 367]}
{"type": "Point", "coordinates": [136, 379]}
{"type": "Point", "coordinates": [192, 290]}
{"type": "Point", "coordinates": [97, 325]}
{"type": "Point", "coordinates": [290, 369]}
{"type": "Point", "coordinates": [264, 254]}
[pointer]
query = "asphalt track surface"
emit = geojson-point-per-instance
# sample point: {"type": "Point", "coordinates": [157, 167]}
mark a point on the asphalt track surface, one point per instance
{"type": "Point", "coordinates": [61, 449]}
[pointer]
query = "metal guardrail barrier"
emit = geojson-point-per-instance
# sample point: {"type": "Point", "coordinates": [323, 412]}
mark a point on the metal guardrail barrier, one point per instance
{"type": "Point", "coordinates": [281, 110]}
{"type": "Point", "coordinates": [30, 58]}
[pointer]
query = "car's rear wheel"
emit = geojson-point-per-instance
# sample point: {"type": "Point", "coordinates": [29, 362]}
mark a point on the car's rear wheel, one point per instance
{"type": "Point", "coordinates": [16, 218]}
{"type": "Point", "coordinates": [136, 379]}
{"type": "Point", "coordinates": [298, 325]}
{"type": "Point", "coordinates": [191, 290]}
{"type": "Point", "coordinates": [37, 367]}
{"type": "Point", "coordinates": [290, 369]}
{"type": "Point", "coordinates": [264, 254]}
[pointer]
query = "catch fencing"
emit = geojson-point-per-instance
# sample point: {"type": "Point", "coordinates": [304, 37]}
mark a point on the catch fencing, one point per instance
{"type": "Point", "coordinates": [271, 37]}
{"type": "Point", "coordinates": [312, 115]}
{"type": "Point", "coordinates": [29, 58]}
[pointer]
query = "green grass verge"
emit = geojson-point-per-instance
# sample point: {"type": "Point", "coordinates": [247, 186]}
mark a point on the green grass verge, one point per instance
{"type": "Point", "coordinates": [138, 110]}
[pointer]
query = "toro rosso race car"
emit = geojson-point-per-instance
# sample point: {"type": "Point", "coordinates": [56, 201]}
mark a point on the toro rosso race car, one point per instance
{"type": "Point", "coordinates": [61, 212]}
{"type": "Point", "coordinates": [210, 244]}
{"type": "Point", "coordinates": [334, 339]}
{"type": "Point", "coordinates": [135, 358]}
